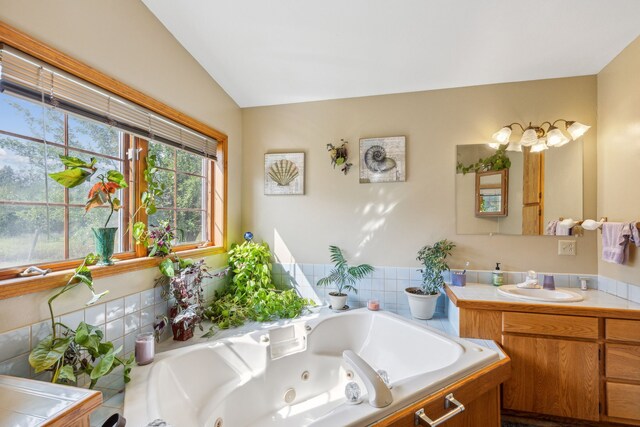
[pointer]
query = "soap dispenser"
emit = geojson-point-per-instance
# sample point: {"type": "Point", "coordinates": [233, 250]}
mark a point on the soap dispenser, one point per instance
{"type": "Point", "coordinates": [497, 277]}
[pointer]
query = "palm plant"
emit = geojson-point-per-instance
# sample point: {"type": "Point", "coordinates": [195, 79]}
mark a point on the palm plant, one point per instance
{"type": "Point", "coordinates": [342, 275]}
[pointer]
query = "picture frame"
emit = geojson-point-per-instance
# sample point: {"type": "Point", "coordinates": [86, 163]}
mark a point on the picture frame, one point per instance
{"type": "Point", "coordinates": [283, 174]}
{"type": "Point", "coordinates": [383, 159]}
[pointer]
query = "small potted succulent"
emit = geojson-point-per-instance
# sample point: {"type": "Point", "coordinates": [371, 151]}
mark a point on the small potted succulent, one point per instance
{"type": "Point", "coordinates": [422, 300]}
{"type": "Point", "coordinates": [344, 277]}
{"type": "Point", "coordinates": [102, 192]}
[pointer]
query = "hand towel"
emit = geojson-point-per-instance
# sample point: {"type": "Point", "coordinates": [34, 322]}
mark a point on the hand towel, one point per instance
{"type": "Point", "coordinates": [551, 228]}
{"type": "Point", "coordinates": [615, 237]}
{"type": "Point", "coordinates": [562, 229]}
{"type": "Point", "coordinates": [635, 234]}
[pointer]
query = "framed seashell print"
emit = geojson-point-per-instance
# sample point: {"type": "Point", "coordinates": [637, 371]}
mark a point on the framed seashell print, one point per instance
{"type": "Point", "coordinates": [284, 173]}
{"type": "Point", "coordinates": [382, 159]}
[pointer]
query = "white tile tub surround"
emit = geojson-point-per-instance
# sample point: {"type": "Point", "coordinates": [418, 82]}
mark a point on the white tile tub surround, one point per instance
{"type": "Point", "coordinates": [120, 320]}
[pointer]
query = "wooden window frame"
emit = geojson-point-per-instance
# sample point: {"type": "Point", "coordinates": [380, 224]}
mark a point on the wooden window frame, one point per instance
{"type": "Point", "coordinates": [136, 259]}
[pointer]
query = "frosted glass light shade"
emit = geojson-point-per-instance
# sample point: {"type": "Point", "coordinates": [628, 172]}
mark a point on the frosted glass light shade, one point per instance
{"type": "Point", "coordinates": [494, 145]}
{"type": "Point", "coordinates": [514, 146]}
{"type": "Point", "coordinates": [576, 130]}
{"type": "Point", "coordinates": [529, 137]}
{"type": "Point", "coordinates": [539, 146]}
{"type": "Point", "coordinates": [569, 222]}
{"type": "Point", "coordinates": [502, 136]}
{"type": "Point", "coordinates": [555, 138]}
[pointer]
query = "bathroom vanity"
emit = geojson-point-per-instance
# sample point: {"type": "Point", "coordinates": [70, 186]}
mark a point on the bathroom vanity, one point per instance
{"type": "Point", "coordinates": [25, 402]}
{"type": "Point", "coordinates": [576, 360]}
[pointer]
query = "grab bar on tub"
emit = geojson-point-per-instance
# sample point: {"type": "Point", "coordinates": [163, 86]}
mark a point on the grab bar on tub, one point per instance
{"type": "Point", "coordinates": [422, 419]}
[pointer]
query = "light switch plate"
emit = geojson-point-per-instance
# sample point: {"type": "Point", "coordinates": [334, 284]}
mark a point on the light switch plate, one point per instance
{"type": "Point", "coordinates": [567, 247]}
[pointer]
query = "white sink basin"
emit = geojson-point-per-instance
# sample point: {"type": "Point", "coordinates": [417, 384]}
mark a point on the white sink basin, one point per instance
{"type": "Point", "coordinates": [559, 295]}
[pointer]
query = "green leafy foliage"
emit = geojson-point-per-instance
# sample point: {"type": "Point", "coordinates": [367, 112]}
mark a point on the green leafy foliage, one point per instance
{"type": "Point", "coordinates": [342, 275]}
{"type": "Point", "coordinates": [70, 178]}
{"type": "Point", "coordinates": [166, 268]}
{"type": "Point", "coordinates": [498, 161]}
{"type": "Point", "coordinates": [251, 294]}
{"type": "Point", "coordinates": [77, 351]}
{"type": "Point", "coordinates": [433, 259]}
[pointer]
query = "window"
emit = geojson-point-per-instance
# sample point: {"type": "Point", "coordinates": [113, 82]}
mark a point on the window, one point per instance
{"type": "Point", "coordinates": [44, 113]}
{"type": "Point", "coordinates": [41, 221]}
{"type": "Point", "coordinates": [184, 204]}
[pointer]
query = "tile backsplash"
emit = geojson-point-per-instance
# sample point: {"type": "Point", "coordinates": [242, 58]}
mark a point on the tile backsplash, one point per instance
{"type": "Point", "coordinates": [123, 318]}
{"type": "Point", "coordinates": [120, 319]}
{"type": "Point", "coordinates": [387, 284]}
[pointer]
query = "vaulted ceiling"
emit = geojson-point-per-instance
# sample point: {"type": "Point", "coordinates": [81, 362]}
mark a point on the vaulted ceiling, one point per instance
{"type": "Point", "coordinates": [266, 52]}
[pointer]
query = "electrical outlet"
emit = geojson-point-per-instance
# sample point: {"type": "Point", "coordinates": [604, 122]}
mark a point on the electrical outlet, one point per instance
{"type": "Point", "coordinates": [567, 247]}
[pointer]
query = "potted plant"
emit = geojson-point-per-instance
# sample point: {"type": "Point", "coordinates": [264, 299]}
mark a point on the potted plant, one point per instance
{"type": "Point", "coordinates": [251, 293]}
{"type": "Point", "coordinates": [68, 352]}
{"type": "Point", "coordinates": [422, 301]}
{"type": "Point", "coordinates": [344, 277]}
{"type": "Point", "coordinates": [102, 192]}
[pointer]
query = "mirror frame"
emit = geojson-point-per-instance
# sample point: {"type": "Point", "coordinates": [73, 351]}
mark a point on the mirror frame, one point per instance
{"type": "Point", "coordinates": [504, 192]}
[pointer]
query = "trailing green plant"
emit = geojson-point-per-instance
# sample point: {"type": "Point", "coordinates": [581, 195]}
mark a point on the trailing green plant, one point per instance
{"type": "Point", "coordinates": [79, 171]}
{"type": "Point", "coordinates": [251, 294]}
{"type": "Point", "coordinates": [433, 259]}
{"type": "Point", "coordinates": [148, 198]}
{"type": "Point", "coordinates": [66, 353]}
{"type": "Point", "coordinates": [343, 276]}
{"type": "Point", "coordinates": [497, 161]}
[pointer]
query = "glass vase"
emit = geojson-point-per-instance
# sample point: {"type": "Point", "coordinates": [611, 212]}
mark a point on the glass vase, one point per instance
{"type": "Point", "coordinates": [104, 239]}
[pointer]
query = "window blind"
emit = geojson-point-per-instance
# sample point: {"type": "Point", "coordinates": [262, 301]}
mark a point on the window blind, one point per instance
{"type": "Point", "coordinates": [27, 77]}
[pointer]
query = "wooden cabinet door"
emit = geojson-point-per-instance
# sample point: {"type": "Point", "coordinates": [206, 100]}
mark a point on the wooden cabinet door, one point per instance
{"type": "Point", "coordinates": [532, 191]}
{"type": "Point", "coordinates": [552, 376]}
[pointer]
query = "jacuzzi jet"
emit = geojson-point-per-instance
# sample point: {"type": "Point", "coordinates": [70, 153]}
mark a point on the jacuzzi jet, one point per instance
{"type": "Point", "coordinates": [218, 422]}
{"type": "Point", "coordinates": [349, 375]}
{"type": "Point", "coordinates": [289, 395]}
{"type": "Point", "coordinates": [305, 376]}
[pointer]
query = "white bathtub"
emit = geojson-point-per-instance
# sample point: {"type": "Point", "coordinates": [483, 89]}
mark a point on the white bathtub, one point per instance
{"type": "Point", "coordinates": [237, 380]}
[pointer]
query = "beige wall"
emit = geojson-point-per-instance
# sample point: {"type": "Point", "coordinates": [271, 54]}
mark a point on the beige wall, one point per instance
{"type": "Point", "coordinates": [122, 39]}
{"type": "Point", "coordinates": [619, 151]}
{"type": "Point", "coordinates": [385, 224]}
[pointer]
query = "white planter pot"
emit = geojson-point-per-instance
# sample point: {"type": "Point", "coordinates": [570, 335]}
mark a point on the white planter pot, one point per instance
{"type": "Point", "coordinates": [422, 306]}
{"type": "Point", "coordinates": [338, 302]}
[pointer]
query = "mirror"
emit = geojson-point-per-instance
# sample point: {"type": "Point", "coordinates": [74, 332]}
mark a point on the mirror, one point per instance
{"type": "Point", "coordinates": [521, 199]}
{"type": "Point", "coordinates": [492, 193]}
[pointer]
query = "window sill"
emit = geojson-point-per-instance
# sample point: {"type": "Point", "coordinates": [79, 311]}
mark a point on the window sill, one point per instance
{"type": "Point", "coordinates": [10, 288]}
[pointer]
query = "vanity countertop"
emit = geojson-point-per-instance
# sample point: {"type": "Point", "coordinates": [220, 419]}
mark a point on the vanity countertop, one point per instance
{"type": "Point", "coordinates": [595, 303]}
{"type": "Point", "coordinates": [25, 402]}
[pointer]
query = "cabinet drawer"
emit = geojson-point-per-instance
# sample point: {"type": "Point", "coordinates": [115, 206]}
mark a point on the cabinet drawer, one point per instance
{"type": "Point", "coordinates": [623, 362]}
{"type": "Point", "coordinates": [551, 325]}
{"type": "Point", "coordinates": [622, 400]}
{"type": "Point", "coordinates": [623, 330]}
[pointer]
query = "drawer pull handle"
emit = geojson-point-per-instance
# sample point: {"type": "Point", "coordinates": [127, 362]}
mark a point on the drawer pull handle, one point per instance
{"type": "Point", "coordinates": [421, 418]}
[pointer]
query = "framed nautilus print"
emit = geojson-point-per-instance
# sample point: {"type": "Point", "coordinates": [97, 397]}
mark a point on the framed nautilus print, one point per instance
{"type": "Point", "coordinates": [284, 174]}
{"type": "Point", "coordinates": [382, 159]}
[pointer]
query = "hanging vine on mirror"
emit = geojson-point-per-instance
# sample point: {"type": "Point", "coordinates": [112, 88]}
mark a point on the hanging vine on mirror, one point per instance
{"type": "Point", "coordinates": [339, 156]}
{"type": "Point", "coordinates": [496, 162]}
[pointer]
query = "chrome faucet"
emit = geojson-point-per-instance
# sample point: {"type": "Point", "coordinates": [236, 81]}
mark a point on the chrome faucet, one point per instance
{"type": "Point", "coordinates": [379, 393]}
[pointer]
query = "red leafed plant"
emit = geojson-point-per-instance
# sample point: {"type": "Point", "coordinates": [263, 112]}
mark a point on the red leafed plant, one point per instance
{"type": "Point", "coordinates": [79, 171]}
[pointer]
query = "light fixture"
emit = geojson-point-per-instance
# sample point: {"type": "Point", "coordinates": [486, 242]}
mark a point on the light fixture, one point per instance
{"type": "Point", "coordinates": [502, 136]}
{"type": "Point", "coordinates": [514, 146]}
{"type": "Point", "coordinates": [539, 146]}
{"type": "Point", "coordinates": [529, 136]}
{"type": "Point", "coordinates": [538, 136]}
{"type": "Point", "coordinates": [555, 137]}
{"type": "Point", "coordinates": [576, 130]}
